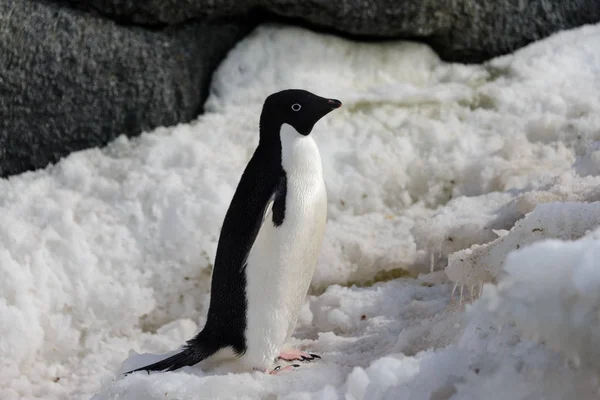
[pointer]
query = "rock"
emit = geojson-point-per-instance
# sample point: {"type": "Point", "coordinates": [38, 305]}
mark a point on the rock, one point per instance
{"type": "Point", "coordinates": [459, 30]}
{"type": "Point", "coordinates": [70, 80]}
{"type": "Point", "coordinates": [77, 73]}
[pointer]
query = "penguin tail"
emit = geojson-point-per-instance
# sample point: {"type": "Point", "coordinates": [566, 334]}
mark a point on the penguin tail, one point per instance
{"type": "Point", "coordinates": [192, 354]}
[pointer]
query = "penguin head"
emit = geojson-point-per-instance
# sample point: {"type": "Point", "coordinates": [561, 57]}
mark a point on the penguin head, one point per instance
{"type": "Point", "coordinates": [298, 108]}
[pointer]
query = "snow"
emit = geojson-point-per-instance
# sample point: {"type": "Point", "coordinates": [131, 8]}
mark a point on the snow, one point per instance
{"type": "Point", "coordinates": [435, 173]}
{"type": "Point", "coordinates": [483, 263]}
{"type": "Point", "coordinates": [555, 275]}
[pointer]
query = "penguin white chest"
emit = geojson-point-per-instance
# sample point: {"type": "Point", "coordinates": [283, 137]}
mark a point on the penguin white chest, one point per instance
{"type": "Point", "coordinates": [282, 260]}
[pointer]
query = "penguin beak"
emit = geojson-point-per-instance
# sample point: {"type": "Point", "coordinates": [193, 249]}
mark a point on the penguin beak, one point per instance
{"type": "Point", "coordinates": [333, 104]}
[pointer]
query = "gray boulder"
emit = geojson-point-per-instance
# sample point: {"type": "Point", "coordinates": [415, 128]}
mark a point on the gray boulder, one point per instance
{"type": "Point", "coordinates": [70, 80]}
{"type": "Point", "coordinates": [77, 73]}
{"type": "Point", "coordinates": [459, 30]}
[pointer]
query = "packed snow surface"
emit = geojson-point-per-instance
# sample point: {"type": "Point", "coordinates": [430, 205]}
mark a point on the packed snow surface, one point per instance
{"type": "Point", "coordinates": [481, 174]}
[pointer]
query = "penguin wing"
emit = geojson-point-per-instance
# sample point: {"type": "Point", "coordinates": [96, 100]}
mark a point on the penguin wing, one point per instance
{"type": "Point", "coordinates": [256, 201]}
{"type": "Point", "coordinates": [273, 212]}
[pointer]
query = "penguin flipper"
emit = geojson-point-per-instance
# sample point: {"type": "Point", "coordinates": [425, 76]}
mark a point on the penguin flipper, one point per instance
{"type": "Point", "coordinates": [191, 355]}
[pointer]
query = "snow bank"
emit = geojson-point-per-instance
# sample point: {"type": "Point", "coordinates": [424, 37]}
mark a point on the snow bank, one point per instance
{"type": "Point", "coordinates": [111, 250]}
{"type": "Point", "coordinates": [551, 291]}
{"type": "Point", "coordinates": [476, 220]}
{"type": "Point", "coordinates": [484, 263]}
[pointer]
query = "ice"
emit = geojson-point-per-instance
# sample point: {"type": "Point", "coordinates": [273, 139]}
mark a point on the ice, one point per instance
{"type": "Point", "coordinates": [105, 258]}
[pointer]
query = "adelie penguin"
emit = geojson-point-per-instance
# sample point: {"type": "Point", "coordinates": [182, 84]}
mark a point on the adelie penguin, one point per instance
{"type": "Point", "coordinates": [269, 243]}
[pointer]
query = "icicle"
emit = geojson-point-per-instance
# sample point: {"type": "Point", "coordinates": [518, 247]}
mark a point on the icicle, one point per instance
{"type": "Point", "coordinates": [480, 288]}
{"type": "Point", "coordinates": [453, 291]}
{"type": "Point", "coordinates": [461, 294]}
{"type": "Point", "coordinates": [471, 290]}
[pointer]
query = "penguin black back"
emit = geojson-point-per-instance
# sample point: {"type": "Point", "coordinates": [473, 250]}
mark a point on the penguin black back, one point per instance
{"type": "Point", "coordinates": [262, 181]}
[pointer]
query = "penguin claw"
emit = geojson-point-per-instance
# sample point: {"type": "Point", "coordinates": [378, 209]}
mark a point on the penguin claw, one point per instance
{"type": "Point", "coordinates": [278, 369]}
{"type": "Point", "coordinates": [275, 370]}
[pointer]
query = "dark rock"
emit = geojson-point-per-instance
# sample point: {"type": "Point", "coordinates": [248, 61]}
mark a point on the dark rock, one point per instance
{"type": "Point", "coordinates": [70, 80]}
{"type": "Point", "coordinates": [459, 30]}
{"type": "Point", "coordinates": [77, 73]}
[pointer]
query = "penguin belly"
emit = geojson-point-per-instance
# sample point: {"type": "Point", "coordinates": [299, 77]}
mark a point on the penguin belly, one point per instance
{"type": "Point", "coordinates": [282, 260]}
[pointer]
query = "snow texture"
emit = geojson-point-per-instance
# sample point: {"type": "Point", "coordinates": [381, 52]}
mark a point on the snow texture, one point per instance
{"type": "Point", "coordinates": [555, 275]}
{"type": "Point", "coordinates": [483, 263]}
{"type": "Point", "coordinates": [435, 173]}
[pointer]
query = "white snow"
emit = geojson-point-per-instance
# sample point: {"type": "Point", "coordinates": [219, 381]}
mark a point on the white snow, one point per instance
{"type": "Point", "coordinates": [429, 165]}
{"type": "Point", "coordinates": [483, 263]}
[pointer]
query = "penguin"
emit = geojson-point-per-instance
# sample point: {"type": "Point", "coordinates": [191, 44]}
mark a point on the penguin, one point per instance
{"type": "Point", "coordinates": [269, 243]}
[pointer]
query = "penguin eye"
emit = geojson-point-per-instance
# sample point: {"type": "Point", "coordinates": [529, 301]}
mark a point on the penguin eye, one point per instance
{"type": "Point", "coordinates": [296, 107]}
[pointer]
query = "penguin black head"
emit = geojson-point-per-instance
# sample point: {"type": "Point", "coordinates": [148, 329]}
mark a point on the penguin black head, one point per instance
{"type": "Point", "coordinates": [298, 108]}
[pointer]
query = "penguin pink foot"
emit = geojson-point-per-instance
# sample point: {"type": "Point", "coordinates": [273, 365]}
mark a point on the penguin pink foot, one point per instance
{"type": "Point", "coordinates": [294, 354]}
{"type": "Point", "coordinates": [278, 369]}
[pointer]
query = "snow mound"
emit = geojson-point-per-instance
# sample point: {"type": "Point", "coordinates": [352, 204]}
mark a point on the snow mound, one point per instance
{"type": "Point", "coordinates": [551, 291]}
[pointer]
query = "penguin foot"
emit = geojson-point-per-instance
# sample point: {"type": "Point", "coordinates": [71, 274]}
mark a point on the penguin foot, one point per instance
{"type": "Point", "coordinates": [279, 369]}
{"type": "Point", "coordinates": [293, 355]}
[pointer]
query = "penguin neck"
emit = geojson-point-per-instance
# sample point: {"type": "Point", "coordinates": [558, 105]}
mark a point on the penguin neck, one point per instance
{"type": "Point", "coordinates": [299, 153]}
